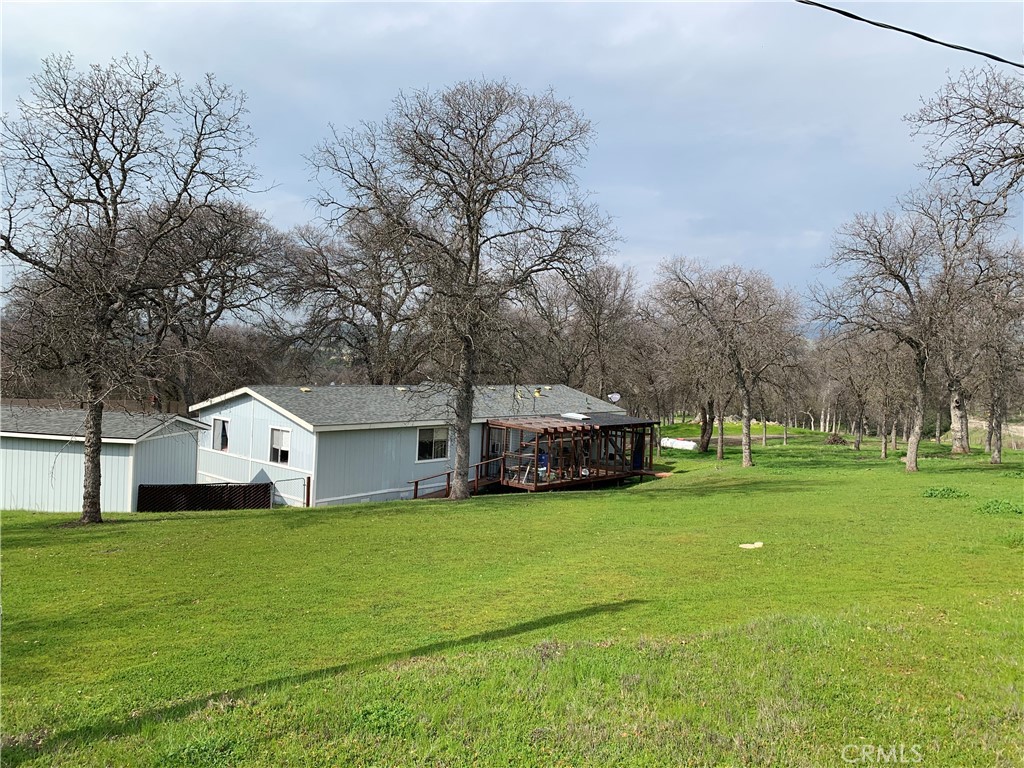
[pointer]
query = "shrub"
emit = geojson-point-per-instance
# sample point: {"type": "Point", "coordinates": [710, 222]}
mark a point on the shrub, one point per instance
{"type": "Point", "coordinates": [1000, 507]}
{"type": "Point", "coordinates": [944, 492]}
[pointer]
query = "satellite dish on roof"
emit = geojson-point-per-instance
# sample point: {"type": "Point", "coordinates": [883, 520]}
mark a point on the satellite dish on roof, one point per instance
{"type": "Point", "coordinates": [614, 397]}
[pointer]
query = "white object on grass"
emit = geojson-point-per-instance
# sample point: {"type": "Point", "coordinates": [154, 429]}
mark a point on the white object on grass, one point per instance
{"type": "Point", "coordinates": [675, 442]}
{"type": "Point", "coordinates": [755, 545]}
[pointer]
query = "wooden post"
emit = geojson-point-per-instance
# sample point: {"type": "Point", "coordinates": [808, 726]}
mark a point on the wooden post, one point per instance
{"type": "Point", "coordinates": [416, 489]}
{"type": "Point", "coordinates": [650, 453]}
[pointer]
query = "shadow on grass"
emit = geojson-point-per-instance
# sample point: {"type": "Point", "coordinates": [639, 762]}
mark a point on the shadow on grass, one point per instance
{"type": "Point", "coordinates": [16, 751]}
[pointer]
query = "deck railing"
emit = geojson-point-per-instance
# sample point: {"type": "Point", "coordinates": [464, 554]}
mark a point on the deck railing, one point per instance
{"type": "Point", "coordinates": [448, 478]}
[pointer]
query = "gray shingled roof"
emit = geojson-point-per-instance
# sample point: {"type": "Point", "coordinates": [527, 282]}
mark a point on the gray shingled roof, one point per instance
{"type": "Point", "coordinates": [70, 422]}
{"type": "Point", "coordinates": [345, 405]}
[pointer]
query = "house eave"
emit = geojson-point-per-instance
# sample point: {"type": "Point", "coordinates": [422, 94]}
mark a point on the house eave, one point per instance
{"type": "Point", "coordinates": [259, 398]}
{"type": "Point", "coordinates": [69, 438]}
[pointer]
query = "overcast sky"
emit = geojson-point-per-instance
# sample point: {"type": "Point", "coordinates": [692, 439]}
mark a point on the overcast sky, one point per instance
{"type": "Point", "coordinates": [737, 132]}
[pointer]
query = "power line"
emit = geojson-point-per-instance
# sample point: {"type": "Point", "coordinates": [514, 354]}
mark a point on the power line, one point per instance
{"type": "Point", "coordinates": [918, 35]}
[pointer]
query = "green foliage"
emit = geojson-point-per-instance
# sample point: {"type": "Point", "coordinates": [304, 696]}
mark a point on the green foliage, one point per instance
{"type": "Point", "coordinates": [617, 627]}
{"type": "Point", "coordinates": [944, 492]}
{"type": "Point", "coordinates": [1000, 507]}
{"type": "Point", "coordinates": [1015, 539]}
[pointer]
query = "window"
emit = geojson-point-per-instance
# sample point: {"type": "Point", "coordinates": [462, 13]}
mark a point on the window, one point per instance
{"type": "Point", "coordinates": [432, 444]}
{"type": "Point", "coordinates": [280, 445]}
{"type": "Point", "coordinates": [220, 435]}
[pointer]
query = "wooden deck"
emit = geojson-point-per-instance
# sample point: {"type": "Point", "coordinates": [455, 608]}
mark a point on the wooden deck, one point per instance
{"type": "Point", "coordinates": [546, 453]}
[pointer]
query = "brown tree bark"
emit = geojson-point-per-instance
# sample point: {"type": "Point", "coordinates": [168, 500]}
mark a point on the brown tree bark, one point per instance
{"type": "Point", "coordinates": [997, 435]}
{"type": "Point", "coordinates": [748, 460]}
{"type": "Point", "coordinates": [917, 423]}
{"type": "Point", "coordinates": [720, 447]}
{"type": "Point", "coordinates": [462, 405]}
{"type": "Point", "coordinates": [91, 448]}
{"type": "Point", "coordinates": [707, 425]}
{"type": "Point", "coordinates": [958, 420]}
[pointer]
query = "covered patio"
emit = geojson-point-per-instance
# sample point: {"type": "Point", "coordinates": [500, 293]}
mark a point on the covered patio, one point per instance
{"type": "Point", "coordinates": [546, 452]}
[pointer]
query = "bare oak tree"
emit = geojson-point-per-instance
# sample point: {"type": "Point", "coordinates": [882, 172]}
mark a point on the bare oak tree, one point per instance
{"type": "Point", "coordinates": [361, 289]}
{"type": "Point", "coordinates": [228, 255]}
{"type": "Point", "coordinates": [976, 129]}
{"type": "Point", "coordinates": [100, 167]}
{"type": "Point", "coordinates": [751, 325]}
{"type": "Point", "coordinates": [480, 178]}
{"type": "Point", "coordinates": [911, 274]}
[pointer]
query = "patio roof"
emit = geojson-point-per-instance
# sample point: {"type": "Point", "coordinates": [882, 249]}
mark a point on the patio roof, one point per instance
{"type": "Point", "coordinates": [551, 424]}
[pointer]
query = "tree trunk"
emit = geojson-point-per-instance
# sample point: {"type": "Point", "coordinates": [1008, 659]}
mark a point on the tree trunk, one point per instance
{"type": "Point", "coordinates": [997, 434]}
{"type": "Point", "coordinates": [988, 433]}
{"type": "Point", "coordinates": [764, 431]}
{"type": "Point", "coordinates": [811, 417]}
{"type": "Point", "coordinates": [822, 423]}
{"type": "Point", "coordinates": [917, 426]}
{"type": "Point", "coordinates": [748, 461]}
{"type": "Point", "coordinates": [958, 426]}
{"type": "Point", "coordinates": [938, 426]}
{"type": "Point", "coordinates": [785, 432]}
{"type": "Point", "coordinates": [885, 437]}
{"type": "Point", "coordinates": [720, 447]}
{"type": "Point", "coordinates": [463, 408]}
{"type": "Point", "coordinates": [91, 448]}
{"type": "Point", "coordinates": [858, 431]}
{"type": "Point", "coordinates": [895, 443]}
{"type": "Point", "coordinates": [707, 425]}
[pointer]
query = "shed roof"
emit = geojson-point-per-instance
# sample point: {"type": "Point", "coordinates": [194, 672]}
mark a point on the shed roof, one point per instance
{"type": "Point", "coordinates": [70, 422]}
{"type": "Point", "coordinates": [365, 404]}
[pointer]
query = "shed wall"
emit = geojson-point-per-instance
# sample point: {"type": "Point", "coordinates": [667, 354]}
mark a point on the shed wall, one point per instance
{"type": "Point", "coordinates": [48, 475]}
{"type": "Point", "coordinates": [169, 459]}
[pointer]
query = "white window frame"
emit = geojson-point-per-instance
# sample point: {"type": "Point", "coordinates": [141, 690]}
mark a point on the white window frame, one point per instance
{"type": "Point", "coordinates": [447, 444]}
{"type": "Point", "coordinates": [270, 457]}
{"type": "Point", "coordinates": [213, 437]}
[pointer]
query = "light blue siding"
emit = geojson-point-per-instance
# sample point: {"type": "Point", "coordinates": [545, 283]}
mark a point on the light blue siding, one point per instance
{"type": "Point", "coordinates": [220, 467]}
{"type": "Point", "coordinates": [48, 475]}
{"type": "Point", "coordinates": [249, 425]}
{"type": "Point", "coordinates": [378, 464]}
{"type": "Point", "coordinates": [247, 459]}
{"type": "Point", "coordinates": [169, 459]}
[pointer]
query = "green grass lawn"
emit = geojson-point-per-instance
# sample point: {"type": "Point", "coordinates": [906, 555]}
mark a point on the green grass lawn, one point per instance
{"type": "Point", "coordinates": [614, 627]}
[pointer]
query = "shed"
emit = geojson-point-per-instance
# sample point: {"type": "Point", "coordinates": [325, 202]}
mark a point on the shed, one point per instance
{"type": "Point", "coordinates": [42, 460]}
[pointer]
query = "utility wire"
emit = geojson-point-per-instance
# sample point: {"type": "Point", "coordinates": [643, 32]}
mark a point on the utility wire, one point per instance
{"type": "Point", "coordinates": [918, 35]}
